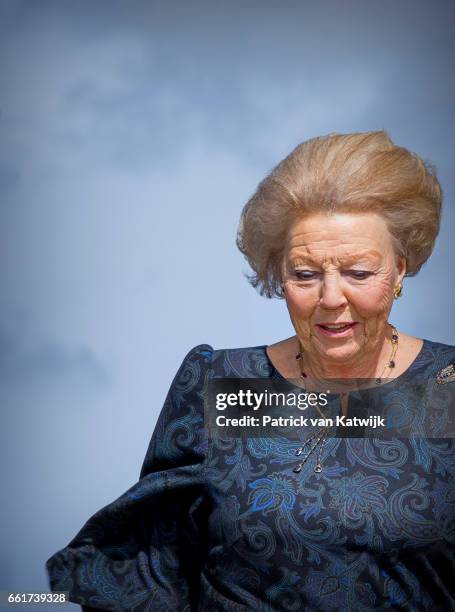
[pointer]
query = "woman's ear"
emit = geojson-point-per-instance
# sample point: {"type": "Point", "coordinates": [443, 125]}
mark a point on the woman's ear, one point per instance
{"type": "Point", "coordinates": [401, 269]}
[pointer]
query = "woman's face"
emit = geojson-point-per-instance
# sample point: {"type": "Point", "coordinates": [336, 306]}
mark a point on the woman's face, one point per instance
{"type": "Point", "coordinates": [340, 268]}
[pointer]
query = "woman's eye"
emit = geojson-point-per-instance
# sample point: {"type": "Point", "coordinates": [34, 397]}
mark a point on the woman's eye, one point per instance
{"type": "Point", "coordinates": [359, 274]}
{"type": "Point", "coordinates": [308, 275]}
{"type": "Point", "coordinates": [305, 274]}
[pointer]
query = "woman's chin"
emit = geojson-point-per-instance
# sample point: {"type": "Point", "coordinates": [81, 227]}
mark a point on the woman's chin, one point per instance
{"type": "Point", "coordinates": [339, 354]}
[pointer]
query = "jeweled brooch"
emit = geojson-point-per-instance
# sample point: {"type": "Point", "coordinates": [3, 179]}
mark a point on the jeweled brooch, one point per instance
{"type": "Point", "coordinates": [446, 375]}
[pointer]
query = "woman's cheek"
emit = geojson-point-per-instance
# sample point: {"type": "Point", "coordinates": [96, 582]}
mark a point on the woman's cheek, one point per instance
{"type": "Point", "coordinates": [372, 303]}
{"type": "Point", "coordinates": [300, 313]}
{"type": "Point", "coordinates": [299, 307]}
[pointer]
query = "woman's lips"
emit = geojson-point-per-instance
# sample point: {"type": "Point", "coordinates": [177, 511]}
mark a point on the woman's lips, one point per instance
{"type": "Point", "coordinates": [334, 333]}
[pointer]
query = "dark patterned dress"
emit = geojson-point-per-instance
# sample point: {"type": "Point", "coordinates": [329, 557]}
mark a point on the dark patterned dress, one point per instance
{"type": "Point", "coordinates": [227, 525]}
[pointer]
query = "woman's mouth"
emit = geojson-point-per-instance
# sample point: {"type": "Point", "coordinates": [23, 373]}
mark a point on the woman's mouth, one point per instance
{"type": "Point", "coordinates": [337, 330]}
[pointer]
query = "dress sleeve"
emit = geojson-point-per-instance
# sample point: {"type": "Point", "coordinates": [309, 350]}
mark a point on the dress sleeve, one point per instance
{"type": "Point", "coordinates": [144, 550]}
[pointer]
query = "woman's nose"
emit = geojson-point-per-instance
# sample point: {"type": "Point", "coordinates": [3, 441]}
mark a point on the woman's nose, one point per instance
{"type": "Point", "coordinates": [332, 295]}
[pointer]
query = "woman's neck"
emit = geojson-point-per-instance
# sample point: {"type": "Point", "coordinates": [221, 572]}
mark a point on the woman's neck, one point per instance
{"type": "Point", "coordinates": [282, 354]}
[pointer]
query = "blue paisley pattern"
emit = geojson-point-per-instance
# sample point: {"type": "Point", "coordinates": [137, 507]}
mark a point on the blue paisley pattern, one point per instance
{"type": "Point", "coordinates": [226, 525]}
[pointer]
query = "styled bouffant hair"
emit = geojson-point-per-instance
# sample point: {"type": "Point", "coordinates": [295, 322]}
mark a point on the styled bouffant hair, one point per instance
{"type": "Point", "coordinates": [359, 172]}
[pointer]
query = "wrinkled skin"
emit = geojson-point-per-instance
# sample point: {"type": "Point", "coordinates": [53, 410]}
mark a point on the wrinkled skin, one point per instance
{"type": "Point", "coordinates": [341, 268]}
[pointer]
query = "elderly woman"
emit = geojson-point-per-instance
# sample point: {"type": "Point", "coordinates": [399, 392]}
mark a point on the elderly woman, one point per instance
{"type": "Point", "coordinates": [269, 524]}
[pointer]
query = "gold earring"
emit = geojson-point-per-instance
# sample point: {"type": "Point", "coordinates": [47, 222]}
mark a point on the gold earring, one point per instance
{"type": "Point", "coordinates": [397, 290]}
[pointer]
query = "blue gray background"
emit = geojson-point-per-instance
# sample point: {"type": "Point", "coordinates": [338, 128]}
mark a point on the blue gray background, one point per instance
{"type": "Point", "coordinates": [131, 135]}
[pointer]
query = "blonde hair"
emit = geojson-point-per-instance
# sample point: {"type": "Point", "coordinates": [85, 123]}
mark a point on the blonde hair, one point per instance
{"type": "Point", "coordinates": [359, 172]}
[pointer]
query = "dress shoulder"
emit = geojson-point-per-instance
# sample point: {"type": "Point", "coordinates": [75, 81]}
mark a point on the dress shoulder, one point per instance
{"type": "Point", "coordinates": [433, 357]}
{"type": "Point", "coordinates": [178, 435]}
{"type": "Point", "coordinates": [243, 362]}
{"type": "Point", "coordinates": [143, 550]}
